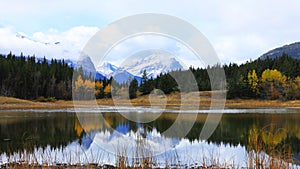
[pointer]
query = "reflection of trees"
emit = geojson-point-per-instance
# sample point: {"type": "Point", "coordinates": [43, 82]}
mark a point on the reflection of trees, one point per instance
{"type": "Point", "coordinates": [272, 141]}
{"type": "Point", "coordinates": [234, 129]}
{"type": "Point", "coordinates": [279, 133]}
{"type": "Point", "coordinates": [56, 131]}
{"type": "Point", "coordinates": [272, 135]}
{"type": "Point", "coordinates": [60, 129]}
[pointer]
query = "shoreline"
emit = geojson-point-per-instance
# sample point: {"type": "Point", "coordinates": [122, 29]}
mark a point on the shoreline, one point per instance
{"type": "Point", "coordinates": [172, 100]}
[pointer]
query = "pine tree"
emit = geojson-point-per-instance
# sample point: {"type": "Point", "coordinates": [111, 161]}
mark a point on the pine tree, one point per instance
{"type": "Point", "coordinates": [133, 87]}
{"type": "Point", "coordinates": [146, 86]}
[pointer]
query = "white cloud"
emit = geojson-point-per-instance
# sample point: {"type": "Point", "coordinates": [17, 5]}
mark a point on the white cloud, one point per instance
{"type": "Point", "coordinates": [230, 47]}
{"type": "Point", "coordinates": [133, 45]}
{"type": "Point", "coordinates": [238, 30]}
{"type": "Point", "coordinates": [51, 44]}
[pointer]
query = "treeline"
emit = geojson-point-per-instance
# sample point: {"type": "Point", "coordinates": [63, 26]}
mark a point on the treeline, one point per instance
{"type": "Point", "coordinates": [277, 78]}
{"type": "Point", "coordinates": [44, 80]}
{"type": "Point", "coordinates": [30, 78]}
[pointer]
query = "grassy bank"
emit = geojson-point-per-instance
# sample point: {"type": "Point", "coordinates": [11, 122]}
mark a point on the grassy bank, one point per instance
{"type": "Point", "coordinates": [171, 100]}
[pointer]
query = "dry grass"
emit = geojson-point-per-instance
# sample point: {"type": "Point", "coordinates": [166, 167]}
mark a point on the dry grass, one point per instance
{"type": "Point", "coordinates": [263, 153]}
{"type": "Point", "coordinates": [171, 100]}
{"type": "Point", "coordinates": [11, 100]}
{"type": "Point", "coordinates": [255, 159]}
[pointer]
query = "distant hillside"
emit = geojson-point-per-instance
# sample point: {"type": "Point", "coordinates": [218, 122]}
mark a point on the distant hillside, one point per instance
{"type": "Point", "coordinates": [293, 50]}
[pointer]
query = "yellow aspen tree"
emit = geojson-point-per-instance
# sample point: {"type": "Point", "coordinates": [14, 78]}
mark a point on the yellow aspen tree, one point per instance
{"type": "Point", "coordinates": [98, 87]}
{"type": "Point", "coordinates": [297, 82]}
{"type": "Point", "coordinates": [273, 83]}
{"type": "Point", "coordinates": [107, 90]}
{"type": "Point", "coordinates": [253, 81]}
{"type": "Point", "coordinates": [98, 84]}
{"type": "Point", "coordinates": [79, 83]}
{"type": "Point", "coordinates": [272, 76]}
{"type": "Point", "coordinates": [89, 89]}
{"type": "Point", "coordinates": [89, 85]}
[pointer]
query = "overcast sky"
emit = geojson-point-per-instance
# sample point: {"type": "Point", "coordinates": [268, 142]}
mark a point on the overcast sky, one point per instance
{"type": "Point", "coordinates": [238, 30]}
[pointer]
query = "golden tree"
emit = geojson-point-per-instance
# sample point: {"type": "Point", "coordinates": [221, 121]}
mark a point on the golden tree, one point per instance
{"type": "Point", "coordinates": [79, 83]}
{"type": "Point", "coordinates": [273, 83]}
{"type": "Point", "coordinates": [253, 82]}
{"type": "Point", "coordinates": [98, 89]}
{"type": "Point", "coordinates": [107, 90]}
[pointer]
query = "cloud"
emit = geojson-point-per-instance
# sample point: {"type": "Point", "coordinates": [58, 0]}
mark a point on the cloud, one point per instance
{"type": "Point", "coordinates": [118, 54]}
{"type": "Point", "coordinates": [229, 47]}
{"type": "Point", "coordinates": [51, 44]}
{"type": "Point", "coordinates": [238, 30]}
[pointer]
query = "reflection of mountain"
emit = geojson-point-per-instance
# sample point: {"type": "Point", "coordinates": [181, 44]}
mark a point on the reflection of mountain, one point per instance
{"type": "Point", "coordinates": [86, 142]}
{"type": "Point", "coordinates": [123, 128]}
{"type": "Point", "coordinates": [237, 126]}
{"type": "Point", "coordinates": [115, 132]}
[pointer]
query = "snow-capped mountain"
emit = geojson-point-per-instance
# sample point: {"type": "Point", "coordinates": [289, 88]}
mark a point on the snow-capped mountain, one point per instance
{"type": "Point", "coordinates": [153, 61]}
{"type": "Point", "coordinates": [122, 76]}
{"type": "Point", "coordinates": [87, 65]}
{"type": "Point", "coordinates": [64, 47]}
{"type": "Point", "coordinates": [106, 69]}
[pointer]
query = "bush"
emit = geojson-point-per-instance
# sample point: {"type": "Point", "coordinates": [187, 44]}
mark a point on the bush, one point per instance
{"type": "Point", "coordinates": [48, 99]}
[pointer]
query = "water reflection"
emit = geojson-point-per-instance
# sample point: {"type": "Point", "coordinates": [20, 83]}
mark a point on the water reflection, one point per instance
{"type": "Point", "coordinates": [64, 139]}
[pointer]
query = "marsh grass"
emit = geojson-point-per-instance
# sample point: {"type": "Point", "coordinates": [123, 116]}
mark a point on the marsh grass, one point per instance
{"type": "Point", "coordinates": [265, 150]}
{"type": "Point", "coordinates": [173, 100]}
{"type": "Point", "coordinates": [46, 159]}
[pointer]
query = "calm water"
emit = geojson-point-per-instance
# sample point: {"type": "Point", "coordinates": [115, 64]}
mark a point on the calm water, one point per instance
{"type": "Point", "coordinates": [98, 137]}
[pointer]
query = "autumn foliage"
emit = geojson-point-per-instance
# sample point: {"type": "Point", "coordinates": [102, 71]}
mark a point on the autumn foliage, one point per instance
{"type": "Point", "coordinates": [90, 89]}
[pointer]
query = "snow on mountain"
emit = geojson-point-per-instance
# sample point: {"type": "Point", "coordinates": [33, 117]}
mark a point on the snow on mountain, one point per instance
{"type": "Point", "coordinates": [153, 61]}
{"type": "Point", "coordinates": [67, 45]}
{"type": "Point", "coordinates": [106, 69]}
{"type": "Point", "coordinates": [122, 76]}
{"type": "Point", "coordinates": [87, 65]}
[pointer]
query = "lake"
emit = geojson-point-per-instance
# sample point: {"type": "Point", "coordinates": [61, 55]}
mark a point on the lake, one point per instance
{"type": "Point", "coordinates": [105, 136]}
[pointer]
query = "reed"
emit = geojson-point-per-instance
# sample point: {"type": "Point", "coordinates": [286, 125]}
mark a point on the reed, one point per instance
{"type": "Point", "coordinates": [263, 152]}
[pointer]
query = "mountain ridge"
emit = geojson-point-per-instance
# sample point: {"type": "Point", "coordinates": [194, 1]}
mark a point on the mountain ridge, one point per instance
{"type": "Point", "coordinates": [154, 62]}
{"type": "Point", "coordinates": [292, 50]}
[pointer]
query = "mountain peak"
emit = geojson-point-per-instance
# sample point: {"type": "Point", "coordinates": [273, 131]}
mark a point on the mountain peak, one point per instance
{"type": "Point", "coordinates": [106, 69]}
{"type": "Point", "coordinates": [154, 62]}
